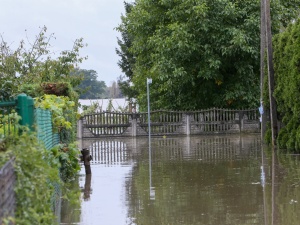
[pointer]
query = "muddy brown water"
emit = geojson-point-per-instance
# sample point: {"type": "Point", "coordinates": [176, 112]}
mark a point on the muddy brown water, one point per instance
{"type": "Point", "coordinates": [186, 180]}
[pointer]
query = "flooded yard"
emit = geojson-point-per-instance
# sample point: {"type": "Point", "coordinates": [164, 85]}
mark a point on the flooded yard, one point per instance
{"type": "Point", "coordinates": [186, 180]}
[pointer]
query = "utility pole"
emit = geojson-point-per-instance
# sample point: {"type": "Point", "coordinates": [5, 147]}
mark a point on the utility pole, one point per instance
{"type": "Point", "coordinates": [263, 113]}
{"type": "Point", "coordinates": [273, 106]}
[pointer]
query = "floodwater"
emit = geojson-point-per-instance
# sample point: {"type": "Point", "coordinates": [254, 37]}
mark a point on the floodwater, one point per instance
{"type": "Point", "coordinates": [186, 180]}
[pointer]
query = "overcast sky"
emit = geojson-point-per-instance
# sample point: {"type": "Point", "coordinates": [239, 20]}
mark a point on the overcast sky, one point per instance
{"type": "Point", "coordinates": [93, 20]}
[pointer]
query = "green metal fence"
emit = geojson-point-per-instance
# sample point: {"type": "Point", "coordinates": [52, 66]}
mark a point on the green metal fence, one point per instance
{"type": "Point", "coordinates": [38, 120]}
{"type": "Point", "coordinates": [44, 128]}
{"type": "Point", "coordinates": [7, 110]}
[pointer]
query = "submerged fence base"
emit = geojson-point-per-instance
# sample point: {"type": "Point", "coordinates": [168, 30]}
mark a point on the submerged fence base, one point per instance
{"type": "Point", "coordinates": [212, 121]}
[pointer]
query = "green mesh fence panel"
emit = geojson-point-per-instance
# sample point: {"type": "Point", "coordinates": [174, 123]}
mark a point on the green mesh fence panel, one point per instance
{"type": "Point", "coordinates": [45, 134]}
{"type": "Point", "coordinates": [44, 128]}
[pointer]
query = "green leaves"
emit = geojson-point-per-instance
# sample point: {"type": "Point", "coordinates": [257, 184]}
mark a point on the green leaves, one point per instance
{"type": "Point", "coordinates": [66, 159]}
{"type": "Point", "coordinates": [36, 176]}
{"type": "Point", "coordinates": [287, 93]}
{"type": "Point", "coordinates": [61, 108]}
{"type": "Point", "coordinates": [208, 49]}
{"type": "Point", "coordinates": [90, 87]}
{"type": "Point", "coordinates": [32, 62]}
{"type": "Point", "coordinates": [189, 46]}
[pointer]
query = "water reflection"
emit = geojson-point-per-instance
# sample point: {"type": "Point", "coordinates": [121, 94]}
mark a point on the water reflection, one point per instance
{"type": "Point", "coordinates": [87, 187]}
{"type": "Point", "coordinates": [189, 180]}
{"type": "Point", "coordinates": [283, 205]}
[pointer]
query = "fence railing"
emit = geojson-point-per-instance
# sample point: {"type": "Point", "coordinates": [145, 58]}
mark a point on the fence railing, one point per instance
{"type": "Point", "coordinates": [164, 122]}
{"type": "Point", "coordinates": [108, 123]}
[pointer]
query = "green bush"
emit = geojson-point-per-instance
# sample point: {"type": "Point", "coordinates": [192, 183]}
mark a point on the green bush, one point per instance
{"type": "Point", "coordinates": [38, 173]}
{"type": "Point", "coordinates": [36, 178]}
{"type": "Point", "coordinates": [287, 92]}
{"type": "Point", "coordinates": [67, 158]}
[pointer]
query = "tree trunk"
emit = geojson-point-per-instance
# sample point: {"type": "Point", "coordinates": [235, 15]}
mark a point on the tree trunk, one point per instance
{"type": "Point", "coordinates": [273, 106]}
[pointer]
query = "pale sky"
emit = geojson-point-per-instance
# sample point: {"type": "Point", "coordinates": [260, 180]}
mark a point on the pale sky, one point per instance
{"type": "Point", "coordinates": [93, 20]}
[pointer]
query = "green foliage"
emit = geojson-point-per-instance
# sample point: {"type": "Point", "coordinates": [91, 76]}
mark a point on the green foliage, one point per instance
{"type": "Point", "coordinates": [127, 59]}
{"type": "Point", "coordinates": [31, 89]}
{"type": "Point", "coordinates": [31, 69]}
{"type": "Point", "coordinates": [36, 177]}
{"type": "Point", "coordinates": [93, 108]}
{"type": "Point", "coordinates": [9, 123]}
{"type": "Point", "coordinates": [199, 54]}
{"type": "Point", "coordinates": [268, 134]}
{"type": "Point", "coordinates": [31, 64]}
{"type": "Point", "coordinates": [6, 88]}
{"type": "Point", "coordinates": [61, 108]}
{"type": "Point", "coordinates": [66, 156]}
{"type": "Point", "coordinates": [287, 94]}
{"type": "Point", "coordinates": [37, 172]}
{"type": "Point", "coordinates": [90, 87]}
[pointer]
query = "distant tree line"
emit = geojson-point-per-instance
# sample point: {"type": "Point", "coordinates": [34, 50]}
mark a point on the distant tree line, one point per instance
{"type": "Point", "coordinates": [91, 88]}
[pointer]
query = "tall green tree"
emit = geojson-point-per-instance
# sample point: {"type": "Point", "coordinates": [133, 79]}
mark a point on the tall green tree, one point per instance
{"type": "Point", "coordinates": [199, 53]}
{"type": "Point", "coordinates": [127, 60]}
{"type": "Point", "coordinates": [90, 87]}
{"type": "Point", "coordinates": [287, 76]}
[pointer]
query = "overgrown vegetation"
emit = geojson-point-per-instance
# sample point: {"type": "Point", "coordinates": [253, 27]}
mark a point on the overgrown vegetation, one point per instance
{"type": "Point", "coordinates": [199, 54]}
{"type": "Point", "coordinates": [31, 69]}
{"type": "Point", "coordinates": [32, 63]}
{"type": "Point", "coordinates": [37, 174]}
{"type": "Point", "coordinates": [287, 94]}
{"type": "Point", "coordinates": [62, 110]}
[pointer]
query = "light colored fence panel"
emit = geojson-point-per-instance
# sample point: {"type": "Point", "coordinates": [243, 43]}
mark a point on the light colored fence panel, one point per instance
{"type": "Point", "coordinates": [210, 121]}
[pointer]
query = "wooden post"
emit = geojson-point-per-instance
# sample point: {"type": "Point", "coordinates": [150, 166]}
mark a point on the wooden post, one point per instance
{"type": "Point", "coordinates": [86, 158]}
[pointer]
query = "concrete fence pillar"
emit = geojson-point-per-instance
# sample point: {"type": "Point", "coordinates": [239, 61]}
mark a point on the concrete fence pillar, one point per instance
{"type": "Point", "coordinates": [241, 121]}
{"type": "Point", "coordinates": [134, 127]}
{"type": "Point", "coordinates": [188, 124]}
{"type": "Point", "coordinates": [79, 129]}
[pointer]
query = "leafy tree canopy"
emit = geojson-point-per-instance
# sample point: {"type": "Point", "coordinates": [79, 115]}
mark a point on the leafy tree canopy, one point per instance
{"type": "Point", "coordinates": [33, 63]}
{"type": "Point", "coordinates": [90, 87]}
{"type": "Point", "coordinates": [199, 53]}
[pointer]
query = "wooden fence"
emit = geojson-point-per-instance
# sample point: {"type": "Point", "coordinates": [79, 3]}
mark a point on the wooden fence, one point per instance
{"type": "Point", "coordinates": [7, 195]}
{"type": "Point", "coordinates": [211, 121]}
